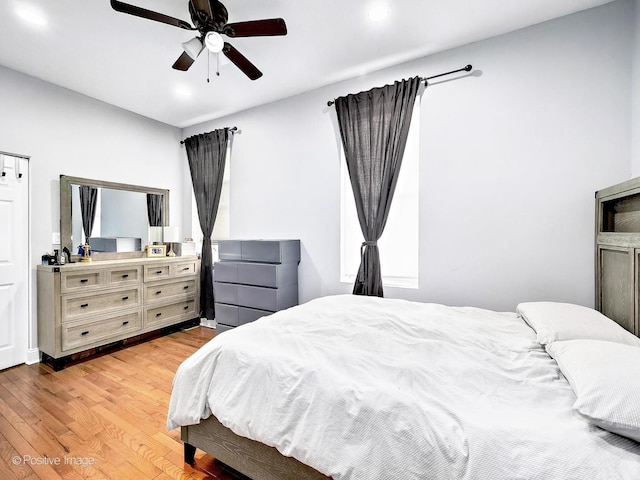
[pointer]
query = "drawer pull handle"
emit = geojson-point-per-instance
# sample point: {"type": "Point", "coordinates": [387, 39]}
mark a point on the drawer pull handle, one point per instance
{"type": "Point", "coordinates": [158, 292]}
{"type": "Point", "coordinates": [84, 280]}
{"type": "Point", "coordinates": [159, 272]}
{"type": "Point", "coordinates": [84, 305]}
{"type": "Point", "coordinates": [126, 275]}
{"type": "Point", "coordinates": [125, 323]}
{"type": "Point", "coordinates": [186, 307]}
{"type": "Point", "coordinates": [185, 269]}
{"type": "Point", "coordinates": [125, 298]}
{"type": "Point", "coordinates": [85, 333]}
{"type": "Point", "coordinates": [158, 314]}
{"type": "Point", "coordinates": [186, 287]}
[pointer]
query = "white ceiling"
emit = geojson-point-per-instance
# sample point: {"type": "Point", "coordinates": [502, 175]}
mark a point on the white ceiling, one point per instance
{"type": "Point", "coordinates": [126, 61]}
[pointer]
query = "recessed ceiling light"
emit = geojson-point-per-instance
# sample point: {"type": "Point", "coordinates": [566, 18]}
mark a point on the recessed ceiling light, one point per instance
{"type": "Point", "coordinates": [379, 11]}
{"type": "Point", "coordinates": [31, 14]}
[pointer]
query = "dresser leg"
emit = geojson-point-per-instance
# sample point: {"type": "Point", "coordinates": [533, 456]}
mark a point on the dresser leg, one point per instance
{"type": "Point", "coordinates": [56, 363]}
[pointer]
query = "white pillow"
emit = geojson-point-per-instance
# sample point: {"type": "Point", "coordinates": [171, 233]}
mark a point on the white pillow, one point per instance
{"type": "Point", "coordinates": [554, 321]}
{"type": "Point", "coordinates": [605, 377]}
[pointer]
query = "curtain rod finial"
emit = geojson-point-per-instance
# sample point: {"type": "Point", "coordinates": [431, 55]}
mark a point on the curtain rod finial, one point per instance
{"type": "Point", "coordinates": [468, 68]}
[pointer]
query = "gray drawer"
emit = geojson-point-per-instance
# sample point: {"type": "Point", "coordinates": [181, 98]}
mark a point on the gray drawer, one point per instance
{"type": "Point", "coordinates": [230, 249]}
{"type": "Point", "coordinates": [268, 274]}
{"type": "Point", "coordinates": [267, 251]}
{"type": "Point", "coordinates": [233, 315]}
{"type": "Point", "coordinates": [259, 274]}
{"type": "Point", "coordinates": [225, 292]}
{"type": "Point", "coordinates": [263, 298]}
{"type": "Point", "coordinates": [225, 272]}
{"type": "Point", "coordinates": [220, 328]}
{"type": "Point", "coordinates": [271, 251]}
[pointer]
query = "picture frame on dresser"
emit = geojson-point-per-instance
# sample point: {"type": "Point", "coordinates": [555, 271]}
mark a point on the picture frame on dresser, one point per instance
{"type": "Point", "coordinates": [156, 250]}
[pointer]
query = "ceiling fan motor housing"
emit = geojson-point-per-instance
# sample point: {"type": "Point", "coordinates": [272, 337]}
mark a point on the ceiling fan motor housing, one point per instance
{"type": "Point", "coordinates": [205, 21]}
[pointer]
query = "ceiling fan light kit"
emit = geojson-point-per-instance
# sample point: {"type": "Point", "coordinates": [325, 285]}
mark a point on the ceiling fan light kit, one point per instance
{"type": "Point", "coordinates": [193, 47]}
{"type": "Point", "coordinates": [214, 42]}
{"type": "Point", "coordinates": [210, 20]}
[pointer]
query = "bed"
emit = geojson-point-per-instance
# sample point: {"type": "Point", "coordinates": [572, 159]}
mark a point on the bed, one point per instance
{"type": "Point", "coordinates": [353, 388]}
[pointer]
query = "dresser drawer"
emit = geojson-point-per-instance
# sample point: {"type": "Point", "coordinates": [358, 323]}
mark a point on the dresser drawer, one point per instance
{"type": "Point", "coordinates": [259, 274]}
{"type": "Point", "coordinates": [79, 281]}
{"type": "Point", "coordinates": [186, 268]}
{"type": "Point", "coordinates": [169, 313]}
{"type": "Point", "coordinates": [225, 292]}
{"type": "Point", "coordinates": [159, 292]}
{"type": "Point", "coordinates": [271, 251]}
{"type": "Point", "coordinates": [78, 306]}
{"type": "Point", "coordinates": [268, 274]}
{"type": "Point", "coordinates": [272, 299]}
{"type": "Point", "coordinates": [156, 272]}
{"type": "Point", "coordinates": [124, 275]}
{"type": "Point", "coordinates": [262, 298]}
{"type": "Point", "coordinates": [267, 251]}
{"type": "Point", "coordinates": [225, 272]}
{"type": "Point", "coordinates": [233, 316]}
{"type": "Point", "coordinates": [81, 334]}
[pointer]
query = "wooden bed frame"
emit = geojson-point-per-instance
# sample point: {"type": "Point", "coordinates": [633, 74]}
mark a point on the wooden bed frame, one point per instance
{"type": "Point", "coordinates": [253, 459]}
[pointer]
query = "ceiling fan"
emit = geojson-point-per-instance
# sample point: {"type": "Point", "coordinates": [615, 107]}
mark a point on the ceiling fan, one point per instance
{"type": "Point", "coordinates": [210, 20]}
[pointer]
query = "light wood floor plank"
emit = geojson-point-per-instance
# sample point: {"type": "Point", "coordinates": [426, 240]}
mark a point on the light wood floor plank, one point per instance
{"type": "Point", "coordinates": [103, 418]}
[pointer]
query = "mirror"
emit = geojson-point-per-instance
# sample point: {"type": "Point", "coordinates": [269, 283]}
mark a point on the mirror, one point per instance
{"type": "Point", "coordinates": [121, 224]}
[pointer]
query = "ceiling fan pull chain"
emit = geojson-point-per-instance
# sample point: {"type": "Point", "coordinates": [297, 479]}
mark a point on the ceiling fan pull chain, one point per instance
{"type": "Point", "coordinates": [217, 64]}
{"type": "Point", "coordinates": [208, 65]}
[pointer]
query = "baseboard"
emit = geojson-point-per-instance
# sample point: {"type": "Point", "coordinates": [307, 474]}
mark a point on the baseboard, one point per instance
{"type": "Point", "coordinates": [33, 356]}
{"type": "Point", "coordinates": [204, 322]}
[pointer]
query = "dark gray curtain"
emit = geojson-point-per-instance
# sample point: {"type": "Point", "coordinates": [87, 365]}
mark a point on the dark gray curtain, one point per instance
{"type": "Point", "coordinates": [88, 200]}
{"type": "Point", "coordinates": [154, 209]}
{"type": "Point", "coordinates": [207, 156]}
{"type": "Point", "coordinates": [374, 127]}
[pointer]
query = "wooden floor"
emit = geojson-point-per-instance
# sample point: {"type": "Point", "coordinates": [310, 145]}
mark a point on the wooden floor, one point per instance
{"type": "Point", "coordinates": [103, 418]}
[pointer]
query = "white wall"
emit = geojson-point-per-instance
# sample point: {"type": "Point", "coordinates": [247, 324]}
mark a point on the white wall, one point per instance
{"type": "Point", "coordinates": [67, 133]}
{"type": "Point", "coordinates": [635, 92]}
{"type": "Point", "coordinates": [510, 160]}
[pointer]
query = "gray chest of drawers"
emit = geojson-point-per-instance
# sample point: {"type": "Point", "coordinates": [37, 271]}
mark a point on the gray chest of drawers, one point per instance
{"type": "Point", "coordinates": [254, 278]}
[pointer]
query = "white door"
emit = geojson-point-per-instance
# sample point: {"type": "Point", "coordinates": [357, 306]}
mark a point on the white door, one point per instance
{"type": "Point", "coordinates": [14, 248]}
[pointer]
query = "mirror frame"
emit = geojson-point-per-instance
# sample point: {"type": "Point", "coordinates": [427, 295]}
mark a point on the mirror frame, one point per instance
{"type": "Point", "coordinates": [65, 211]}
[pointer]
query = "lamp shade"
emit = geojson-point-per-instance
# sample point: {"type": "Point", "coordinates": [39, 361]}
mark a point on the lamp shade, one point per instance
{"type": "Point", "coordinates": [171, 234]}
{"type": "Point", "coordinates": [193, 47]}
{"type": "Point", "coordinates": [155, 235]}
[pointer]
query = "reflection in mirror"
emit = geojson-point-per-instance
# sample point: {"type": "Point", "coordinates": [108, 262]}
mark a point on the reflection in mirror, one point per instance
{"type": "Point", "coordinates": [131, 229]}
{"type": "Point", "coordinates": [124, 216]}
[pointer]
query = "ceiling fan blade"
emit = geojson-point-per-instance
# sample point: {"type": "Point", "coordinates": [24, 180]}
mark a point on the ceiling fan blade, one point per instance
{"type": "Point", "coordinates": [240, 61]}
{"type": "Point", "coordinates": [256, 28]}
{"type": "Point", "coordinates": [183, 62]}
{"type": "Point", "coordinates": [148, 14]}
{"type": "Point", "coordinates": [202, 5]}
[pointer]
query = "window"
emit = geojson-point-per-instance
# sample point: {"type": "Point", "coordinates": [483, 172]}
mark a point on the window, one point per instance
{"type": "Point", "coordinates": [399, 242]}
{"type": "Point", "coordinates": [221, 228]}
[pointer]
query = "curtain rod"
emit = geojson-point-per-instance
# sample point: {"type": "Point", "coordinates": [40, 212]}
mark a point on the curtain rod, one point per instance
{"type": "Point", "coordinates": [466, 68]}
{"type": "Point", "coordinates": [233, 130]}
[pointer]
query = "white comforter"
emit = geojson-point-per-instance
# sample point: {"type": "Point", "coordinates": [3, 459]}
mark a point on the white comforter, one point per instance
{"type": "Point", "coordinates": [370, 388]}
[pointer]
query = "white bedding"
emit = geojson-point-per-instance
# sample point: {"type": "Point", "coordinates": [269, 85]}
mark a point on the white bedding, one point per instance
{"type": "Point", "coordinates": [369, 388]}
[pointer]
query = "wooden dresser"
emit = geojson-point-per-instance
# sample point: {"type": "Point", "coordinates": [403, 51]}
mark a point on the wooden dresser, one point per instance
{"type": "Point", "coordinates": [82, 306]}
